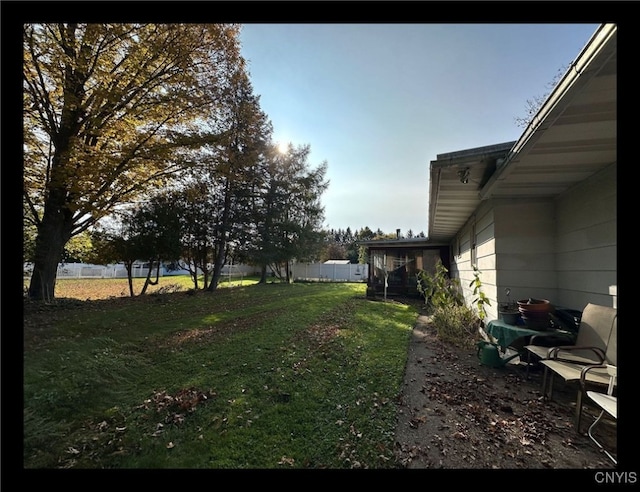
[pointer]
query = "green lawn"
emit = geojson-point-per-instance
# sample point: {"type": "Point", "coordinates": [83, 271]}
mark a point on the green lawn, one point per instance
{"type": "Point", "coordinates": [256, 376]}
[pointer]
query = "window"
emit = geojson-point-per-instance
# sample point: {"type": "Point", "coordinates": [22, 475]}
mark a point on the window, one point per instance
{"type": "Point", "coordinates": [472, 244]}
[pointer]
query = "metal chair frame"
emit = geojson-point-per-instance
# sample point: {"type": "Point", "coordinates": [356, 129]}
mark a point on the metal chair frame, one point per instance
{"type": "Point", "coordinates": [608, 404]}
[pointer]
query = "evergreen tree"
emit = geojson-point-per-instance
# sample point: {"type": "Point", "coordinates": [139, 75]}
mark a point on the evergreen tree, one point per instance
{"type": "Point", "coordinates": [287, 211]}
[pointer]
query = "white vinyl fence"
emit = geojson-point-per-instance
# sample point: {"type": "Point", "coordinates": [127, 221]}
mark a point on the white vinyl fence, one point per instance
{"type": "Point", "coordinates": [318, 272]}
{"type": "Point", "coordinates": [322, 272]}
{"type": "Point", "coordinates": [86, 270]}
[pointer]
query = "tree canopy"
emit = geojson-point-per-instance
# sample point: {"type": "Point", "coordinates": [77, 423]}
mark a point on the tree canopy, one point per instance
{"type": "Point", "coordinates": [112, 111]}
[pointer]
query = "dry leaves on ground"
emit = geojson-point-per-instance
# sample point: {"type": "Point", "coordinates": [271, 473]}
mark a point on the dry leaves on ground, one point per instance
{"type": "Point", "coordinates": [456, 413]}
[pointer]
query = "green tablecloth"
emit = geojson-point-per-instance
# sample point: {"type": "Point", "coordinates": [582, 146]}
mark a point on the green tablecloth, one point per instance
{"type": "Point", "coordinates": [505, 334]}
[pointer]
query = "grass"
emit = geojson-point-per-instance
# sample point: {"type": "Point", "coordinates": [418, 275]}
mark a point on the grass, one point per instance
{"type": "Point", "coordinates": [102, 288]}
{"type": "Point", "coordinates": [257, 376]}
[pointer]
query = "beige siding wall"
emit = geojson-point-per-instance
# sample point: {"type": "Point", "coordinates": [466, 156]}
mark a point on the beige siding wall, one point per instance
{"type": "Point", "coordinates": [482, 223]}
{"type": "Point", "coordinates": [563, 250]}
{"type": "Point", "coordinates": [525, 248]}
{"type": "Point", "coordinates": [514, 249]}
{"type": "Point", "coordinates": [586, 256]}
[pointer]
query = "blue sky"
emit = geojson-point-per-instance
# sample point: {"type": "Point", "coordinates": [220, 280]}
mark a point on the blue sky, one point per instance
{"type": "Point", "coordinates": [378, 102]}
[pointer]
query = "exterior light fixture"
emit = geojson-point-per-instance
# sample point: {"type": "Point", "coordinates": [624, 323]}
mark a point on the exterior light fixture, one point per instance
{"type": "Point", "coordinates": [463, 174]}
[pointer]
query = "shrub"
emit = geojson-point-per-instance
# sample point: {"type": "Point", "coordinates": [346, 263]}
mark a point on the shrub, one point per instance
{"type": "Point", "coordinates": [438, 289]}
{"type": "Point", "coordinates": [481, 300]}
{"type": "Point", "coordinates": [456, 324]}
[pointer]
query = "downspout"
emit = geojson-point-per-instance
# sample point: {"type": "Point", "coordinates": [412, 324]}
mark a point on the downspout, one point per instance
{"type": "Point", "coordinates": [591, 49]}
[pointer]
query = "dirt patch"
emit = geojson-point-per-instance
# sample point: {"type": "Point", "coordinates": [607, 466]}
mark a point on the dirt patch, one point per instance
{"type": "Point", "coordinates": [456, 413]}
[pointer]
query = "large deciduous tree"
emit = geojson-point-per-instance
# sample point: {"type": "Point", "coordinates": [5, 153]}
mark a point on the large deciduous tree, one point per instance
{"type": "Point", "coordinates": [108, 111]}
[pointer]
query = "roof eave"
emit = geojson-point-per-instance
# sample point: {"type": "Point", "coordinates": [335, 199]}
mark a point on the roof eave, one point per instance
{"type": "Point", "coordinates": [544, 117]}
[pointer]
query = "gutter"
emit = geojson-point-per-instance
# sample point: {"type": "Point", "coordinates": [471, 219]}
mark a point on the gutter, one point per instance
{"type": "Point", "coordinates": [593, 47]}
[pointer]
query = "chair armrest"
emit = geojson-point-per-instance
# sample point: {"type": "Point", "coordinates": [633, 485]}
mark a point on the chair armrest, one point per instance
{"type": "Point", "coordinates": [585, 370]}
{"type": "Point", "coordinates": [553, 351]}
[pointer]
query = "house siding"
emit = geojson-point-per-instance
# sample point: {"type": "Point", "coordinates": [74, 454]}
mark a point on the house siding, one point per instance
{"type": "Point", "coordinates": [564, 250]}
{"type": "Point", "coordinates": [586, 256]}
{"type": "Point", "coordinates": [515, 249]}
{"type": "Point", "coordinates": [525, 248]}
{"type": "Point", "coordinates": [482, 222]}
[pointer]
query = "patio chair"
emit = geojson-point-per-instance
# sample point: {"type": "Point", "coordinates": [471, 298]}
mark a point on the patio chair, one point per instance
{"type": "Point", "coordinates": [586, 374]}
{"type": "Point", "coordinates": [596, 325]}
{"type": "Point", "coordinates": [608, 403]}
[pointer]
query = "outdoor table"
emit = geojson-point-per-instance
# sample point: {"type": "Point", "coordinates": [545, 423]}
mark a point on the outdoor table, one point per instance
{"type": "Point", "coordinates": [517, 336]}
{"type": "Point", "coordinates": [506, 334]}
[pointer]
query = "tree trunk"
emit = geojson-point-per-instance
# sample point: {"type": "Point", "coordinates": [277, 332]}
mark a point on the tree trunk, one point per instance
{"type": "Point", "coordinates": [217, 265]}
{"type": "Point", "coordinates": [263, 274]}
{"type": "Point", "coordinates": [148, 280]}
{"type": "Point", "coordinates": [193, 272]}
{"type": "Point", "coordinates": [57, 220]}
{"type": "Point", "coordinates": [129, 266]}
{"type": "Point", "coordinates": [222, 244]}
{"type": "Point", "coordinates": [205, 270]}
{"type": "Point", "coordinates": [194, 276]}
{"type": "Point", "coordinates": [289, 273]}
{"type": "Point", "coordinates": [45, 269]}
{"type": "Point", "coordinates": [53, 233]}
